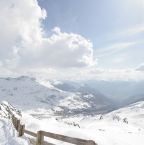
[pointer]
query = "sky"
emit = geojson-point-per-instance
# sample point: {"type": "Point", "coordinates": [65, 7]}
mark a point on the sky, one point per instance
{"type": "Point", "coordinates": [72, 39]}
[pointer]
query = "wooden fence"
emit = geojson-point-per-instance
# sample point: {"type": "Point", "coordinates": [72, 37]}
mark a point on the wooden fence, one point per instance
{"type": "Point", "coordinates": [39, 136]}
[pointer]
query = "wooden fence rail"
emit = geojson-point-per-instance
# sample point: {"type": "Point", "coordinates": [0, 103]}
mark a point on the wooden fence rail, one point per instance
{"type": "Point", "coordinates": [41, 134]}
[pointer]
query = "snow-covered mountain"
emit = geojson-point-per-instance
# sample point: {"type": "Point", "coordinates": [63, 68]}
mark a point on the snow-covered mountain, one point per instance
{"type": "Point", "coordinates": [30, 94]}
{"type": "Point", "coordinates": [118, 89]}
{"type": "Point", "coordinates": [89, 94]}
{"type": "Point", "coordinates": [134, 99]}
{"type": "Point", "coordinates": [121, 92]}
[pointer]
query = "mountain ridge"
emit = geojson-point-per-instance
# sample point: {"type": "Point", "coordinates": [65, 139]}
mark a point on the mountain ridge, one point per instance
{"type": "Point", "coordinates": [29, 93]}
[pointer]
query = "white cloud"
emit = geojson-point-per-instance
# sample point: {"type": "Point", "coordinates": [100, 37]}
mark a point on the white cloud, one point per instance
{"type": "Point", "coordinates": [20, 25]}
{"type": "Point", "coordinates": [23, 42]}
{"type": "Point", "coordinates": [91, 73]}
{"type": "Point", "coordinates": [60, 50]}
{"type": "Point", "coordinates": [140, 67]}
{"type": "Point", "coordinates": [114, 48]}
{"type": "Point", "coordinates": [25, 49]}
{"type": "Point", "coordinates": [127, 33]}
{"type": "Point", "coordinates": [110, 74]}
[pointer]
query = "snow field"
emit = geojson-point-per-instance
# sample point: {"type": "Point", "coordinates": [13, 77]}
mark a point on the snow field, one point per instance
{"type": "Point", "coordinates": [8, 135]}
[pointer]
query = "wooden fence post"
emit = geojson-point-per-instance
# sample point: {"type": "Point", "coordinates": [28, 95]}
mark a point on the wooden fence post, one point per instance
{"type": "Point", "coordinates": [14, 122]}
{"type": "Point", "coordinates": [21, 129]}
{"type": "Point", "coordinates": [40, 138]}
{"type": "Point", "coordinates": [17, 124]}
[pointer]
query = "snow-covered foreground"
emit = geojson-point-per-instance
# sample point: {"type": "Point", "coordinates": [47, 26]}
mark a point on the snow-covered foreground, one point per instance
{"type": "Point", "coordinates": [107, 131]}
{"type": "Point", "coordinates": [8, 135]}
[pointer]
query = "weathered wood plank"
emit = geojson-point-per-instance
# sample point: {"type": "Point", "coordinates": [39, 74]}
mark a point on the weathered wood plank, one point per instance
{"type": "Point", "coordinates": [72, 140]}
{"type": "Point", "coordinates": [30, 133]}
{"type": "Point", "coordinates": [17, 124]}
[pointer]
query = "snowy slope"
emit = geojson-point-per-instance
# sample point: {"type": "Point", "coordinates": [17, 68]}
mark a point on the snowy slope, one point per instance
{"type": "Point", "coordinates": [106, 131]}
{"type": "Point", "coordinates": [134, 114]}
{"type": "Point", "coordinates": [133, 99]}
{"type": "Point", "coordinates": [29, 94]}
{"type": "Point", "coordinates": [8, 135]}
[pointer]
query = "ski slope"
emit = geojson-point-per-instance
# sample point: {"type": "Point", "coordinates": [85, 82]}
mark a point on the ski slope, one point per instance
{"type": "Point", "coordinates": [109, 130]}
{"type": "Point", "coordinates": [8, 135]}
{"type": "Point", "coordinates": [106, 131]}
